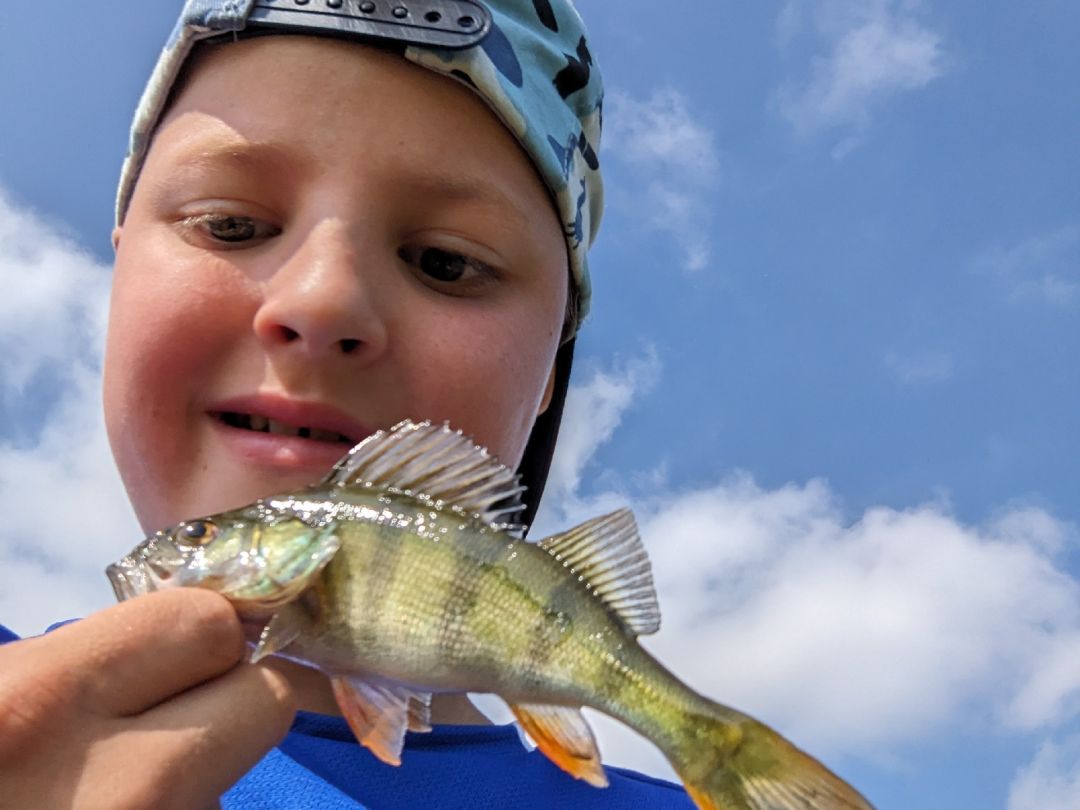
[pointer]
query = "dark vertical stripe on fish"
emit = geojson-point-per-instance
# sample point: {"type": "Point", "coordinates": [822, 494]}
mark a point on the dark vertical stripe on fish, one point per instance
{"type": "Point", "coordinates": [550, 629]}
{"type": "Point", "coordinates": [460, 604]}
{"type": "Point", "coordinates": [385, 562]}
{"type": "Point", "coordinates": [553, 622]}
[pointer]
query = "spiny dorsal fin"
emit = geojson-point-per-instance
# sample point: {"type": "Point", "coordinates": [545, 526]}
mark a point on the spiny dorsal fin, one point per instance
{"type": "Point", "coordinates": [607, 553]}
{"type": "Point", "coordinates": [434, 462]}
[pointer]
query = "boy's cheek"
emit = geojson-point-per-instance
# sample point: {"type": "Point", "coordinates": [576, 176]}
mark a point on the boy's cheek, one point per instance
{"type": "Point", "coordinates": [165, 347]}
{"type": "Point", "coordinates": [489, 382]}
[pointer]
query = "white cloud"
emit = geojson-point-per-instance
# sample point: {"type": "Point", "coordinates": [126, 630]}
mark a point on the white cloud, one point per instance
{"type": "Point", "coordinates": [53, 308]}
{"type": "Point", "coordinates": [1053, 691]}
{"type": "Point", "coordinates": [1045, 267]}
{"type": "Point", "coordinates": [592, 413]}
{"type": "Point", "coordinates": [660, 132]}
{"type": "Point", "coordinates": [674, 157]}
{"type": "Point", "coordinates": [64, 510]}
{"type": "Point", "coordinates": [864, 637]}
{"type": "Point", "coordinates": [1051, 781]}
{"type": "Point", "coordinates": [874, 49]}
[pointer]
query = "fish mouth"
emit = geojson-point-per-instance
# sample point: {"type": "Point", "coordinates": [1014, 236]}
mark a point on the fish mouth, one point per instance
{"type": "Point", "coordinates": [128, 579]}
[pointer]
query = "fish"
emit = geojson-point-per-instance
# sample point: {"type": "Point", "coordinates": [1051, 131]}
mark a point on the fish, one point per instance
{"type": "Point", "coordinates": [402, 574]}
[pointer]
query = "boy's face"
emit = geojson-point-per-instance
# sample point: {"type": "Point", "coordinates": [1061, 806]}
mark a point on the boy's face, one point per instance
{"type": "Point", "coordinates": [326, 237]}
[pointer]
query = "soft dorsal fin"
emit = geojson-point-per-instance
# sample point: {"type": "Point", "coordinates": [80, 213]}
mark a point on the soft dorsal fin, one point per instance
{"type": "Point", "coordinates": [434, 462]}
{"type": "Point", "coordinates": [607, 553]}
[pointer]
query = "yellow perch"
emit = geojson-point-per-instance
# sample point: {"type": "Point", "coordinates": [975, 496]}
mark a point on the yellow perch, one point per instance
{"type": "Point", "coordinates": [398, 576]}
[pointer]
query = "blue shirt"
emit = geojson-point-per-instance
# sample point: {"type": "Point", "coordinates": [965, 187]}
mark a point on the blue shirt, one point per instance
{"type": "Point", "coordinates": [320, 765]}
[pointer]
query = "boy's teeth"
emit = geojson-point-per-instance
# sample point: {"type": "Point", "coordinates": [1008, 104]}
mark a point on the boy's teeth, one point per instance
{"type": "Point", "coordinates": [281, 429]}
{"type": "Point", "coordinates": [263, 424]}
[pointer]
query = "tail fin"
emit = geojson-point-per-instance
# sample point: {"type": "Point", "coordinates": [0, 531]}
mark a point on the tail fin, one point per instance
{"type": "Point", "coordinates": [745, 765]}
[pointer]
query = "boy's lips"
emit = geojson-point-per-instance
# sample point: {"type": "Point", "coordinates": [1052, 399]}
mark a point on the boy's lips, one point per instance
{"type": "Point", "coordinates": [287, 432]}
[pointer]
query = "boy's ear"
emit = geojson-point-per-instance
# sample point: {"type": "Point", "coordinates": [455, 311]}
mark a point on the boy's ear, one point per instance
{"type": "Point", "coordinates": [116, 237]}
{"type": "Point", "coordinates": [549, 391]}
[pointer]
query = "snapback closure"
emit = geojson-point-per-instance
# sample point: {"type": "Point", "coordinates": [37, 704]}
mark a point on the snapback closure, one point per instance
{"type": "Point", "coordinates": [452, 24]}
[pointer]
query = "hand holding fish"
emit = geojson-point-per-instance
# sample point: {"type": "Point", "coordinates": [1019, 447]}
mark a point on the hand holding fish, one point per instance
{"type": "Point", "coordinates": [120, 709]}
{"type": "Point", "coordinates": [398, 576]}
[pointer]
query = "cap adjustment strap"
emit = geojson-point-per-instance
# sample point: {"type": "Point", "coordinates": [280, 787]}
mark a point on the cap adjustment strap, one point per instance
{"type": "Point", "coordinates": [450, 24]}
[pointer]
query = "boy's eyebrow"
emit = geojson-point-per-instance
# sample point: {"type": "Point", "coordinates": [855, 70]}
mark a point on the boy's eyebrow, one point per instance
{"type": "Point", "coordinates": [450, 188]}
{"type": "Point", "coordinates": [267, 157]}
{"type": "Point", "coordinates": [196, 156]}
{"type": "Point", "coordinates": [245, 154]}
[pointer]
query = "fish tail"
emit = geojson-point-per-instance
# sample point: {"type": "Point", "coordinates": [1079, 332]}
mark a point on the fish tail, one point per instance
{"type": "Point", "coordinates": [728, 761]}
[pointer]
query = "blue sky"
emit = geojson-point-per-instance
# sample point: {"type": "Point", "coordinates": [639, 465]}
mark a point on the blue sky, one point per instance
{"type": "Point", "coordinates": [831, 362]}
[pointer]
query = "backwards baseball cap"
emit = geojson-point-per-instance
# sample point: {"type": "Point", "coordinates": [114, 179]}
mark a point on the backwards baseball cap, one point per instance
{"type": "Point", "coordinates": [528, 60]}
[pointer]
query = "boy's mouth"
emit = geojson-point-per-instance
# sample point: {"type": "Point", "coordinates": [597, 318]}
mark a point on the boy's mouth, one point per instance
{"type": "Point", "coordinates": [262, 424]}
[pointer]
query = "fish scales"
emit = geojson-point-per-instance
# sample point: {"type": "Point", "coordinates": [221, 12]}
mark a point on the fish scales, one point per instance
{"type": "Point", "coordinates": [394, 577]}
{"type": "Point", "coordinates": [473, 610]}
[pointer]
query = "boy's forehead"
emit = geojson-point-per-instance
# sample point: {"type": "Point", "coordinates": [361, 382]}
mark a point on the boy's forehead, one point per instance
{"type": "Point", "coordinates": [533, 69]}
{"type": "Point", "coordinates": [442, 134]}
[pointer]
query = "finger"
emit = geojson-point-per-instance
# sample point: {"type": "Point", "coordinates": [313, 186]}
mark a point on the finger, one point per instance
{"type": "Point", "coordinates": [140, 652]}
{"type": "Point", "coordinates": [198, 744]}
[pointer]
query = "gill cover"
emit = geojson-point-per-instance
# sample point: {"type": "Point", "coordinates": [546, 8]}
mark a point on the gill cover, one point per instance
{"type": "Point", "coordinates": [285, 557]}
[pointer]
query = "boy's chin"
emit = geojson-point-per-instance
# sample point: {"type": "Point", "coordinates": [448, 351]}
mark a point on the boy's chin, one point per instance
{"type": "Point", "coordinates": [214, 492]}
{"type": "Point", "coordinates": [233, 469]}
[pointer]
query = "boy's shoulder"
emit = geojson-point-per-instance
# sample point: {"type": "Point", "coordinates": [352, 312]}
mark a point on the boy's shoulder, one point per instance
{"type": "Point", "coordinates": [453, 768]}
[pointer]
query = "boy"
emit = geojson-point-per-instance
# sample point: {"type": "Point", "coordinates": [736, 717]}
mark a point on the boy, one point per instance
{"type": "Point", "coordinates": [328, 221]}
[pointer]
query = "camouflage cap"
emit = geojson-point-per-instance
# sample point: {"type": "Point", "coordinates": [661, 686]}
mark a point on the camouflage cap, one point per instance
{"type": "Point", "coordinates": [527, 59]}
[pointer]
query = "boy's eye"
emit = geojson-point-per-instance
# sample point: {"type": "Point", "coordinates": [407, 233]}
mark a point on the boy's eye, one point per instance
{"type": "Point", "coordinates": [232, 229]}
{"type": "Point", "coordinates": [443, 265]}
{"type": "Point", "coordinates": [447, 267]}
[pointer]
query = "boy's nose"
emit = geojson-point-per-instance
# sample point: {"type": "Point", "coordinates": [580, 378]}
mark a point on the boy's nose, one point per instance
{"type": "Point", "coordinates": [319, 303]}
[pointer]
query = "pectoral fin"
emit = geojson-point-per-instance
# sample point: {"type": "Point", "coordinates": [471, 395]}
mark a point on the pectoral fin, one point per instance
{"type": "Point", "coordinates": [379, 714]}
{"type": "Point", "coordinates": [564, 737]}
{"type": "Point", "coordinates": [282, 629]}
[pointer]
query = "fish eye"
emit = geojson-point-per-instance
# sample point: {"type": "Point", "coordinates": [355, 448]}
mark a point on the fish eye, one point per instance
{"type": "Point", "coordinates": [196, 532]}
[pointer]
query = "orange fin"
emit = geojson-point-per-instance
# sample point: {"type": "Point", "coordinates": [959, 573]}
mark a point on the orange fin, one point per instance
{"type": "Point", "coordinates": [564, 737]}
{"type": "Point", "coordinates": [379, 714]}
